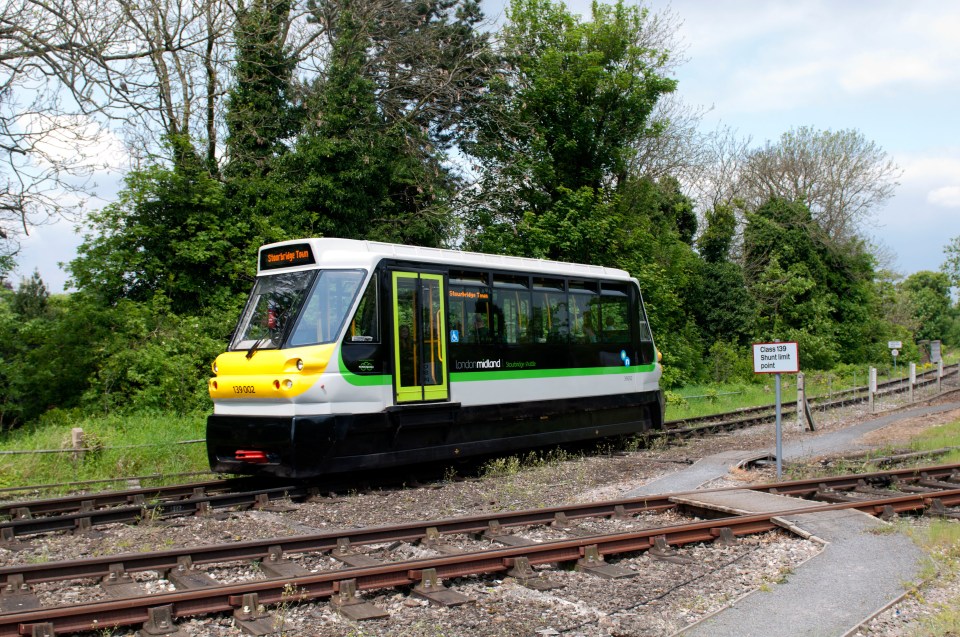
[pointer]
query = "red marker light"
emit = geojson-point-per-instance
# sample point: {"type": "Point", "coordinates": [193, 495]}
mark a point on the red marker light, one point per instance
{"type": "Point", "coordinates": [255, 457]}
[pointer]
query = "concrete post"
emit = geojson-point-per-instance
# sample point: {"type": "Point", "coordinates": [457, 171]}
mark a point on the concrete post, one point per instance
{"type": "Point", "coordinates": [76, 441]}
{"type": "Point", "coordinates": [873, 389]}
{"type": "Point", "coordinates": [939, 375]}
{"type": "Point", "coordinates": [801, 396]}
{"type": "Point", "coordinates": [913, 379]}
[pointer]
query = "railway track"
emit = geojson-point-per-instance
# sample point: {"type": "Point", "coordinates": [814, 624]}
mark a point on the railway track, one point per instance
{"type": "Point", "coordinates": [748, 417]}
{"type": "Point", "coordinates": [85, 511]}
{"type": "Point", "coordinates": [584, 537]}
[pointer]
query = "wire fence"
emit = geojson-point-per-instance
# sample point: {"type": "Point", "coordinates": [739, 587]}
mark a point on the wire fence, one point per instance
{"type": "Point", "coordinates": [92, 449]}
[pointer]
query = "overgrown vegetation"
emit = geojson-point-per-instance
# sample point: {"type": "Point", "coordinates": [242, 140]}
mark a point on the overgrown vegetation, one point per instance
{"type": "Point", "coordinates": [941, 540]}
{"type": "Point", "coordinates": [119, 445]}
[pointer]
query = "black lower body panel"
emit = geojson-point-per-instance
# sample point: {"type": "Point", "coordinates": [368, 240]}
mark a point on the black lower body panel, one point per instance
{"type": "Point", "coordinates": [306, 446]}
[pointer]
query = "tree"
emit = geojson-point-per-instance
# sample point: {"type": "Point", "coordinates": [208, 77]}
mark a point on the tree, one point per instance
{"type": "Point", "coordinates": [928, 296]}
{"type": "Point", "coordinates": [808, 289]}
{"type": "Point", "coordinates": [842, 177]}
{"type": "Point", "coordinates": [44, 140]}
{"type": "Point", "coordinates": [724, 309]}
{"type": "Point", "coordinates": [556, 134]}
{"type": "Point", "coordinates": [31, 298]}
{"type": "Point", "coordinates": [951, 266]}
{"type": "Point", "coordinates": [165, 235]}
{"type": "Point", "coordinates": [260, 113]}
{"type": "Point", "coordinates": [353, 173]}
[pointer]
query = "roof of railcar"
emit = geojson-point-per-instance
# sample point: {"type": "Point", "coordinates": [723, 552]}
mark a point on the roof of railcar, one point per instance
{"type": "Point", "coordinates": [353, 253]}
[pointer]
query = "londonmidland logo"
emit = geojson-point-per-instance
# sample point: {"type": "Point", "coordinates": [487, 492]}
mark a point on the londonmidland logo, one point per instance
{"type": "Point", "coordinates": [487, 364]}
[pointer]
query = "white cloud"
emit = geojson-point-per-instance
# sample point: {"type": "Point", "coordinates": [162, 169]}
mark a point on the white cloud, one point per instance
{"type": "Point", "coordinates": [948, 197]}
{"type": "Point", "coordinates": [867, 72]}
{"type": "Point", "coordinates": [931, 170]}
{"type": "Point", "coordinates": [775, 55]}
{"type": "Point", "coordinates": [73, 140]}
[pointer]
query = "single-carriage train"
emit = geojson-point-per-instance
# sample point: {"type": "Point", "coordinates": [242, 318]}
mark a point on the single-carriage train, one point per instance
{"type": "Point", "coordinates": [356, 355]}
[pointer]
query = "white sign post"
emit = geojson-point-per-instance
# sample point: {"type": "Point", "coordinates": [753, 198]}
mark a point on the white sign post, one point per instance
{"type": "Point", "coordinates": [895, 347]}
{"type": "Point", "coordinates": [777, 358]}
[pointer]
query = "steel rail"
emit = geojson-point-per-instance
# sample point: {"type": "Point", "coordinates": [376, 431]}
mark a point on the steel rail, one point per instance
{"type": "Point", "coordinates": [762, 414]}
{"type": "Point", "coordinates": [892, 386]}
{"type": "Point", "coordinates": [149, 510]}
{"type": "Point", "coordinates": [102, 499]}
{"type": "Point", "coordinates": [136, 610]}
{"type": "Point", "coordinates": [105, 566]}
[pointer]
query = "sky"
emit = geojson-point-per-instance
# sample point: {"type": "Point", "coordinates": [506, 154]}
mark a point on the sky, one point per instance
{"type": "Point", "coordinates": [887, 68]}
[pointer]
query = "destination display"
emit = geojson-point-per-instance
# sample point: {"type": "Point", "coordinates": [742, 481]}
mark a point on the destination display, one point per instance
{"type": "Point", "coordinates": [286, 256]}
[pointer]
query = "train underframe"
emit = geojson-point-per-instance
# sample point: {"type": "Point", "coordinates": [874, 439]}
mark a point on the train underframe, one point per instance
{"type": "Point", "coordinates": [309, 446]}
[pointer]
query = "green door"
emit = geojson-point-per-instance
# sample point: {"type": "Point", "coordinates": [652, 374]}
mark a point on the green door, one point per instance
{"type": "Point", "coordinates": [419, 337]}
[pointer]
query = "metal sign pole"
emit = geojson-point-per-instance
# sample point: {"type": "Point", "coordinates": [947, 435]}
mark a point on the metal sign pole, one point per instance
{"type": "Point", "coordinates": [776, 358]}
{"type": "Point", "coordinates": [779, 428]}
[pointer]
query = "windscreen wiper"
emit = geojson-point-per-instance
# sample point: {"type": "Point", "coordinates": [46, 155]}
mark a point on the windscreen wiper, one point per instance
{"type": "Point", "coordinates": [253, 348]}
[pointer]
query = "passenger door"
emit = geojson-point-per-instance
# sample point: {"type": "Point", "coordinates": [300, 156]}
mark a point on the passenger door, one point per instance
{"type": "Point", "coordinates": [419, 337]}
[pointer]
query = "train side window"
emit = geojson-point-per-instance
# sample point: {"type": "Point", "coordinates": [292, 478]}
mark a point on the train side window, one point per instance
{"type": "Point", "coordinates": [511, 299]}
{"type": "Point", "coordinates": [468, 277]}
{"type": "Point", "coordinates": [584, 319]}
{"type": "Point", "coordinates": [550, 321]}
{"type": "Point", "coordinates": [469, 314]}
{"type": "Point", "coordinates": [365, 325]}
{"type": "Point", "coordinates": [615, 314]}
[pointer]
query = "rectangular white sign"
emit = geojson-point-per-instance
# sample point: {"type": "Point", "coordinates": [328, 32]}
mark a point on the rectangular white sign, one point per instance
{"type": "Point", "coordinates": [895, 344]}
{"type": "Point", "coordinates": [776, 358]}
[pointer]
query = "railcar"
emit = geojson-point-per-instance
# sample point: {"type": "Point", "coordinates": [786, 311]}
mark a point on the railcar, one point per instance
{"type": "Point", "coordinates": [353, 355]}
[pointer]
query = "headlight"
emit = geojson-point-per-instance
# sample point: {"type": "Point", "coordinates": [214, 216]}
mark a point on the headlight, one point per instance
{"type": "Point", "coordinates": [299, 364]}
{"type": "Point", "coordinates": [214, 366]}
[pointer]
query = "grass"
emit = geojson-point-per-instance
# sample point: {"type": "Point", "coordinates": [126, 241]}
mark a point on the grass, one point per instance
{"type": "Point", "coordinates": [121, 446]}
{"type": "Point", "coordinates": [704, 400]}
{"type": "Point", "coordinates": [941, 541]}
{"type": "Point", "coordinates": [940, 437]}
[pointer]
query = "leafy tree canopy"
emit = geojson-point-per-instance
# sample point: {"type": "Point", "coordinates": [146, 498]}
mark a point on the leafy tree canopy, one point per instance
{"type": "Point", "coordinates": [555, 134]}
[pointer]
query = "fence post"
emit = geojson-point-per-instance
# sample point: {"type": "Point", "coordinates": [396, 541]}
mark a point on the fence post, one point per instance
{"type": "Point", "coordinates": [913, 379]}
{"type": "Point", "coordinates": [76, 441]}
{"type": "Point", "coordinates": [872, 389]}
{"type": "Point", "coordinates": [801, 396]}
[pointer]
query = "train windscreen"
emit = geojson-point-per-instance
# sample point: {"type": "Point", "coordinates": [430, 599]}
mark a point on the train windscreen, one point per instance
{"type": "Point", "coordinates": [301, 308]}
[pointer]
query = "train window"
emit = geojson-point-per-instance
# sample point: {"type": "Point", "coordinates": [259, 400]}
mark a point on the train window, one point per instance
{"type": "Point", "coordinates": [365, 325]}
{"type": "Point", "coordinates": [468, 277]}
{"type": "Point", "coordinates": [544, 283]}
{"type": "Point", "coordinates": [575, 285]}
{"type": "Point", "coordinates": [326, 309]}
{"type": "Point", "coordinates": [272, 309]}
{"type": "Point", "coordinates": [615, 317]}
{"type": "Point", "coordinates": [646, 335]}
{"type": "Point", "coordinates": [514, 306]}
{"type": "Point", "coordinates": [551, 317]}
{"type": "Point", "coordinates": [615, 314]}
{"type": "Point", "coordinates": [469, 314]}
{"type": "Point", "coordinates": [513, 282]}
{"type": "Point", "coordinates": [582, 302]}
